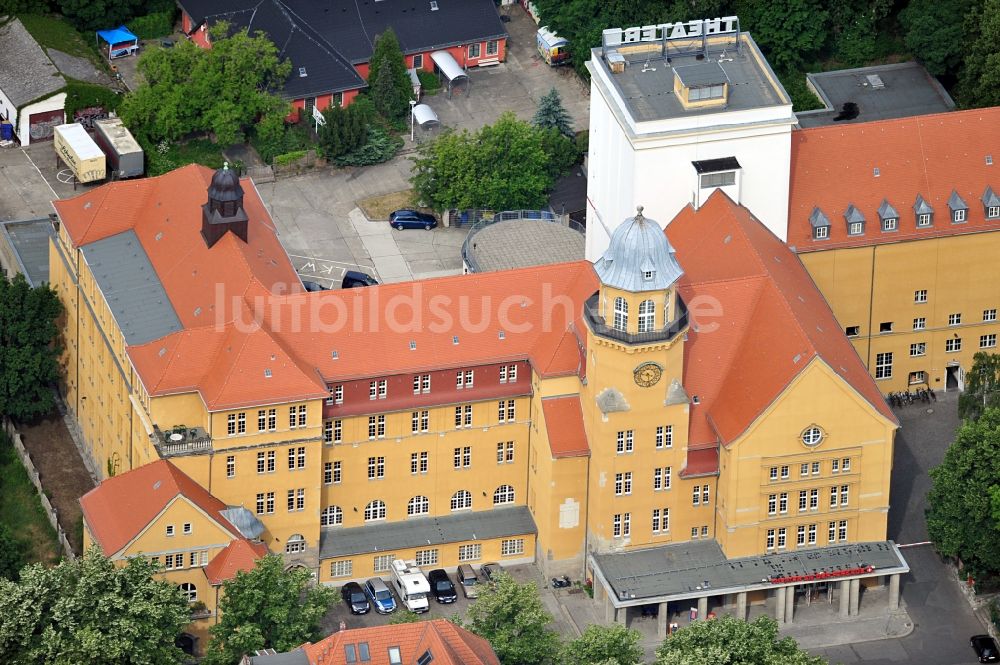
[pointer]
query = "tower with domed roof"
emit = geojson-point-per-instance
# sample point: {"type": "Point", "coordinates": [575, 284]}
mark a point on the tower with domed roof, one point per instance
{"type": "Point", "coordinates": [224, 210]}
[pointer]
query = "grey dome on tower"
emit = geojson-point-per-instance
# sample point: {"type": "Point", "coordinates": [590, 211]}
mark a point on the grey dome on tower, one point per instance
{"type": "Point", "coordinates": [639, 257]}
{"type": "Point", "coordinates": [224, 210]}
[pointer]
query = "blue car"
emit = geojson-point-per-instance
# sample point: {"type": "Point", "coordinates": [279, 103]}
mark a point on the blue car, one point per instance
{"type": "Point", "coordinates": [380, 595]}
{"type": "Point", "coordinates": [411, 219]}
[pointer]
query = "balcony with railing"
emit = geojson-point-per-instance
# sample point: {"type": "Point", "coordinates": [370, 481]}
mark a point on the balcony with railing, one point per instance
{"type": "Point", "coordinates": [591, 311]}
{"type": "Point", "coordinates": [181, 440]}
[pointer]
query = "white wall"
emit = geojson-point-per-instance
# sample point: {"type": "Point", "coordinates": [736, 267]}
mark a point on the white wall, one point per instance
{"type": "Point", "coordinates": [649, 163]}
{"type": "Point", "coordinates": [54, 103]}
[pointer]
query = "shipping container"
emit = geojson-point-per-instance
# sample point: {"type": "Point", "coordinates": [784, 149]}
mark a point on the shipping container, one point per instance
{"type": "Point", "coordinates": [79, 152]}
{"type": "Point", "coordinates": [125, 157]}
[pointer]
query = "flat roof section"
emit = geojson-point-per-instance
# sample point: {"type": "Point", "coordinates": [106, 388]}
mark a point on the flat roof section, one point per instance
{"type": "Point", "coordinates": [29, 242]}
{"type": "Point", "coordinates": [699, 568]}
{"type": "Point", "coordinates": [881, 92]}
{"type": "Point", "coordinates": [647, 86]}
{"type": "Point", "coordinates": [457, 528]}
{"type": "Point", "coordinates": [132, 288]}
{"type": "Point", "coordinates": [520, 243]}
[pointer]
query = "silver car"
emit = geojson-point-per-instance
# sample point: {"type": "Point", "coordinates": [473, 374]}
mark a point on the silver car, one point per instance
{"type": "Point", "coordinates": [468, 581]}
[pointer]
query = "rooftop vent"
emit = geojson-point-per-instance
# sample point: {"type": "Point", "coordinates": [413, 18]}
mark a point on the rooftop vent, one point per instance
{"type": "Point", "coordinates": [334, 355]}
{"type": "Point", "coordinates": [413, 345]}
{"type": "Point", "coordinates": [302, 72]}
{"type": "Point", "coordinates": [434, 5]}
{"type": "Point", "coordinates": [875, 81]}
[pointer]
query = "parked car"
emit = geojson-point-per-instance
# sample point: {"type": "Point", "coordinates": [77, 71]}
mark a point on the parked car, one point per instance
{"type": "Point", "coordinates": [381, 597]}
{"type": "Point", "coordinates": [411, 219]}
{"type": "Point", "coordinates": [441, 586]}
{"type": "Point", "coordinates": [312, 286]}
{"type": "Point", "coordinates": [985, 648]}
{"type": "Point", "coordinates": [468, 581]}
{"type": "Point", "coordinates": [355, 278]}
{"type": "Point", "coordinates": [490, 570]}
{"type": "Point", "coordinates": [355, 598]}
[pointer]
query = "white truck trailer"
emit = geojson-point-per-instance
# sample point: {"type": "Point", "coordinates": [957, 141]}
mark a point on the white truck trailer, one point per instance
{"type": "Point", "coordinates": [79, 152]}
{"type": "Point", "coordinates": [411, 585]}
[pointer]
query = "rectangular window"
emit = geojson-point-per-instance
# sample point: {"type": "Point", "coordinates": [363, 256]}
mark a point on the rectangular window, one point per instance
{"type": "Point", "coordinates": [327, 431]}
{"type": "Point", "coordinates": [920, 296]}
{"type": "Point", "coordinates": [987, 341]}
{"type": "Point", "coordinates": [625, 442]}
{"type": "Point", "coordinates": [723, 179]}
{"type": "Point", "coordinates": [953, 345]}
{"type": "Point", "coordinates": [463, 457]}
{"type": "Point", "coordinates": [800, 535]}
{"type": "Point", "coordinates": [694, 532]}
{"type": "Point", "coordinates": [272, 458]}
{"type": "Point", "coordinates": [772, 504]}
{"type": "Point", "coordinates": [505, 411]}
{"type": "Point", "coordinates": [338, 394]}
{"type": "Point", "coordinates": [291, 459]}
{"type": "Point", "coordinates": [474, 50]}
{"type": "Point", "coordinates": [421, 383]}
{"type": "Point", "coordinates": [924, 219]}
{"type": "Point", "coordinates": [803, 500]}
{"type": "Point", "coordinates": [832, 534]}
{"type": "Point", "coordinates": [512, 547]}
{"type": "Point", "coordinates": [885, 327]}
{"type": "Point", "coordinates": [842, 531]}
{"type": "Point", "coordinates": [260, 463]}
{"type": "Point", "coordinates": [958, 216]}
{"type": "Point", "coordinates": [917, 377]}
{"type": "Point", "coordinates": [664, 436]}
{"type": "Point", "coordinates": [883, 365]}
{"type": "Point", "coordinates": [812, 534]}
{"type": "Point", "coordinates": [327, 473]}
{"type": "Point", "coordinates": [815, 468]}
{"type": "Point", "coordinates": [418, 61]}
{"type": "Point", "coordinates": [769, 542]}
{"type": "Point", "coordinates": [383, 389]}
{"type": "Point", "coordinates": [270, 503]}
{"type": "Point", "coordinates": [467, 416]}
{"type": "Point", "coordinates": [376, 467]}
{"type": "Point", "coordinates": [616, 526]}
{"type": "Point", "coordinates": [336, 472]}
{"type": "Point", "coordinates": [170, 530]}
{"type": "Point", "coordinates": [784, 472]}
{"type": "Point", "coordinates": [261, 420]}
{"type": "Point", "coordinates": [241, 422]}
{"type": "Point", "coordinates": [821, 232]}
{"type": "Point", "coordinates": [260, 503]}
{"type": "Point", "coordinates": [272, 419]}
{"type": "Point", "coordinates": [992, 212]}
{"type": "Point", "coordinates": [231, 424]}
{"type": "Point", "coordinates": [302, 415]}
{"type": "Point", "coordinates": [231, 466]}
{"type": "Point", "coordinates": [856, 228]}
{"type": "Point", "coordinates": [813, 499]}
{"type": "Point", "coordinates": [419, 462]}
{"type": "Point", "coordinates": [426, 557]}
{"type": "Point", "coordinates": [373, 390]}
{"type": "Point", "coordinates": [383, 563]}
{"type": "Point", "coordinates": [338, 431]}
{"type": "Point", "coordinates": [293, 417]}
{"type": "Point", "coordinates": [989, 315]}
{"type": "Point", "coordinates": [459, 379]}
{"type": "Point", "coordinates": [341, 568]}
{"type": "Point", "coordinates": [852, 331]}
{"type": "Point", "coordinates": [783, 503]}
{"type": "Point", "coordinates": [781, 538]}
{"type": "Point", "coordinates": [291, 501]}
{"type": "Point", "coordinates": [493, 47]}
{"type": "Point", "coordinates": [955, 319]}
{"type": "Point", "coordinates": [890, 224]}
{"type": "Point", "coordinates": [704, 495]}
{"type": "Point", "coordinates": [804, 469]}
{"type": "Point", "coordinates": [661, 478]}
{"type": "Point", "coordinates": [843, 495]}
{"type": "Point", "coordinates": [834, 466]}
{"type": "Point", "coordinates": [833, 496]}
{"type": "Point", "coordinates": [472, 552]}
{"type": "Point", "coordinates": [773, 473]}
{"type": "Point", "coordinates": [918, 349]}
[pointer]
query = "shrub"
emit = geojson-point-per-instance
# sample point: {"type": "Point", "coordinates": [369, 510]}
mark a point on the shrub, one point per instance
{"type": "Point", "coordinates": [429, 83]}
{"type": "Point", "coordinates": [153, 26]}
{"type": "Point", "coordinates": [380, 147]}
{"type": "Point", "coordinates": [583, 142]}
{"type": "Point", "coordinates": [80, 95]}
{"type": "Point", "coordinates": [289, 158]}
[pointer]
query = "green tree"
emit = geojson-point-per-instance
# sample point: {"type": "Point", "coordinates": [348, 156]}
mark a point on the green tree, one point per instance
{"type": "Point", "coordinates": [29, 351]}
{"type": "Point", "coordinates": [267, 607]}
{"type": "Point", "coordinates": [982, 386]}
{"type": "Point", "coordinates": [855, 24]}
{"type": "Point", "coordinates": [560, 150]}
{"type": "Point", "coordinates": [979, 84]}
{"type": "Point", "coordinates": [731, 641]}
{"type": "Point", "coordinates": [960, 517]}
{"type": "Point", "coordinates": [11, 553]}
{"type": "Point", "coordinates": [90, 15]}
{"type": "Point", "coordinates": [512, 618]}
{"type": "Point", "coordinates": [603, 645]}
{"type": "Point", "coordinates": [503, 166]}
{"type": "Point", "coordinates": [345, 130]}
{"type": "Point", "coordinates": [552, 114]}
{"type": "Point", "coordinates": [92, 611]}
{"type": "Point", "coordinates": [388, 81]}
{"type": "Point", "coordinates": [223, 90]}
{"type": "Point", "coordinates": [933, 32]}
{"type": "Point", "coordinates": [404, 616]}
{"type": "Point", "coordinates": [789, 31]}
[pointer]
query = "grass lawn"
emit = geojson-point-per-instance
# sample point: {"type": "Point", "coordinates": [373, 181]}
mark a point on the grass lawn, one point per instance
{"type": "Point", "coordinates": [192, 151]}
{"type": "Point", "coordinates": [21, 510]}
{"type": "Point", "coordinates": [377, 208]}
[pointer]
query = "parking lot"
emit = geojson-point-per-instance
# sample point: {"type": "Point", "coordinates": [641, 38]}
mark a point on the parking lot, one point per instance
{"type": "Point", "coordinates": [29, 180]}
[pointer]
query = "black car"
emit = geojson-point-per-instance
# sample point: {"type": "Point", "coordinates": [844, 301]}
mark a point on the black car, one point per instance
{"type": "Point", "coordinates": [985, 648]}
{"type": "Point", "coordinates": [354, 279]}
{"type": "Point", "coordinates": [441, 586]}
{"type": "Point", "coordinates": [489, 571]}
{"type": "Point", "coordinates": [312, 287]}
{"type": "Point", "coordinates": [411, 219]}
{"type": "Point", "coordinates": [355, 598]}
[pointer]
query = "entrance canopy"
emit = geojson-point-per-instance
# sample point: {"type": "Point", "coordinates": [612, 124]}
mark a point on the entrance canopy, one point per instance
{"type": "Point", "coordinates": [425, 116]}
{"type": "Point", "coordinates": [121, 41]}
{"type": "Point", "coordinates": [446, 65]}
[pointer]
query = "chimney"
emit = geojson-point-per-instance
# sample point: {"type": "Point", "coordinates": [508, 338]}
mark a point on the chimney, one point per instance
{"type": "Point", "coordinates": [224, 209]}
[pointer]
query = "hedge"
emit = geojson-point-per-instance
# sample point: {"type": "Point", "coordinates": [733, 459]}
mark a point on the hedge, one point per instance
{"type": "Point", "coordinates": [153, 26]}
{"type": "Point", "coordinates": [80, 95]}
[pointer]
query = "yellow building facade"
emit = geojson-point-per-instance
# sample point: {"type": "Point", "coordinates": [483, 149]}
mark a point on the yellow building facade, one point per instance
{"type": "Point", "coordinates": [578, 411]}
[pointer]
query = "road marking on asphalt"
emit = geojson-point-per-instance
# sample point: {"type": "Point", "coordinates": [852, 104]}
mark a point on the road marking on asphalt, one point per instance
{"type": "Point", "coordinates": [54, 195]}
{"type": "Point", "coordinates": [925, 542]}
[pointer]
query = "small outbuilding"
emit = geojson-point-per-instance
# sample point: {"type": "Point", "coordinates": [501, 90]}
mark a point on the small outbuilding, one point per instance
{"type": "Point", "coordinates": [447, 67]}
{"type": "Point", "coordinates": [120, 41]}
{"type": "Point", "coordinates": [32, 96]}
{"type": "Point", "coordinates": [425, 117]}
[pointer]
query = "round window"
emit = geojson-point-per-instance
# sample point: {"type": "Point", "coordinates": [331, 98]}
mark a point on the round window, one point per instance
{"type": "Point", "coordinates": [812, 436]}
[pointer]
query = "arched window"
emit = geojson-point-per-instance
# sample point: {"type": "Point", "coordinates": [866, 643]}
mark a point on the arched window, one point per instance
{"type": "Point", "coordinates": [461, 500]}
{"type": "Point", "coordinates": [375, 511]}
{"type": "Point", "coordinates": [418, 505]}
{"type": "Point", "coordinates": [331, 516]}
{"type": "Point", "coordinates": [295, 544]}
{"type": "Point", "coordinates": [190, 591]}
{"type": "Point", "coordinates": [504, 494]}
{"type": "Point", "coordinates": [621, 314]}
{"type": "Point", "coordinates": [647, 316]}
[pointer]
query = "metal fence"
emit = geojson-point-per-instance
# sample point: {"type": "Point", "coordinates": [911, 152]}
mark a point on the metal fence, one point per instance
{"type": "Point", "coordinates": [509, 215]}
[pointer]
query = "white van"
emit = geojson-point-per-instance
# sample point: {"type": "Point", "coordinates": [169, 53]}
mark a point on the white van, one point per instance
{"type": "Point", "coordinates": [411, 585]}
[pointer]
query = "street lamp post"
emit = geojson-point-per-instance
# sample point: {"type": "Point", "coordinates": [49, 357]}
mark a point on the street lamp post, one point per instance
{"type": "Point", "coordinates": [413, 104]}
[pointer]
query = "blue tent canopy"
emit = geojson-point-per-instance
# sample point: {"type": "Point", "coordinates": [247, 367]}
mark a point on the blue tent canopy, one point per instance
{"type": "Point", "coordinates": [118, 35]}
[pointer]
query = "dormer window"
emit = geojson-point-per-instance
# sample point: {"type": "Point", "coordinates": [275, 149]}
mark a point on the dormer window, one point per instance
{"type": "Point", "coordinates": [647, 275]}
{"type": "Point", "coordinates": [991, 204]}
{"type": "Point", "coordinates": [889, 216]}
{"type": "Point", "coordinates": [724, 179]}
{"type": "Point", "coordinates": [890, 224]}
{"type": "Point", "coordinates": [820, 224]}
{"type": "Point", "coordinates": [924, 213]}
{"type": "Point", "coordinates": [855, 221]}
{"type": "Point", "coordinates": [959, 208]}
{"type": "Point", "coordinates": [700, 85]}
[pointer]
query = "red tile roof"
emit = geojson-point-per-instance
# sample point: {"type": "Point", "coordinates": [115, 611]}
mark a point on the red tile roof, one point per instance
{"type": "Point", "coordinates": [449, 644]}
{"type": "Point", "coordinates": [120, 507]}
{"type": "Point", "coordinates": [928, 155]}
{"type": "Point", "coordinates": [564, 424]}
{"type": "Point", "coordinates": [236, 556]}
{"type": "Point", "coordinates": [773, 322]}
